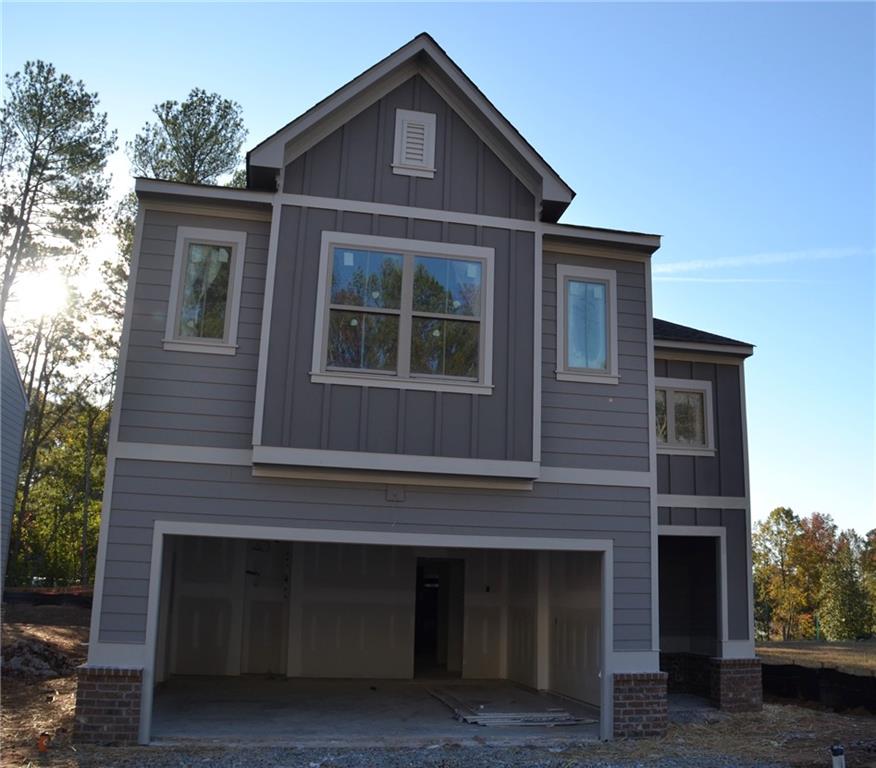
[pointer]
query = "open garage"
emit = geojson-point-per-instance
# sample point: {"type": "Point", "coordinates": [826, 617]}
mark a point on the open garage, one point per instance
{"type": "Point", "coordinates": [313, 640]}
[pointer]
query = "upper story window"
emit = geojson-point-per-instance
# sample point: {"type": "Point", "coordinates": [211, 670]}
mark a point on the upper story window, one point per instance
{"type": "Point", "coordinates": [404, 313]}
{"type": "Point", "coordinates": [586, 324]}
{"type": "Point", "coordinates": [414, 151]}
{"type": "Point", "coordinates": [684, 417]}
{"type": "Point", "coordinates": [204, 301]}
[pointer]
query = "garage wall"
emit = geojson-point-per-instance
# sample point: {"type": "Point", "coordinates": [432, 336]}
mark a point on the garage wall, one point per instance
{"type": "Point", "coordinates": [575, 624]}
{"type": "Point", "coordinates": [522, 605]}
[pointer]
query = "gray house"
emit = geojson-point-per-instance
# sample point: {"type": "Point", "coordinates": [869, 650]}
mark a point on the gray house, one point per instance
{"type": "Point", "coordinates": [380, 415]}
{"type": "Point", "coordinates": [13, 409]}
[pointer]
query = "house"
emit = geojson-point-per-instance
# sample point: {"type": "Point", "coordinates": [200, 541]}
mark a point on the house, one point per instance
{"type": "Point", "coordinates": [13, 410]}
{"type": "Point", "coordinates": [380, 415]}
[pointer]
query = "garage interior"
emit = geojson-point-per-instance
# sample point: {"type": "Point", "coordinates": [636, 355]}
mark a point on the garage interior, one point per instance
{"type": "Point", "coordinates": [689, 611]}
{"type": "Point", "coordinates": [325, 641]}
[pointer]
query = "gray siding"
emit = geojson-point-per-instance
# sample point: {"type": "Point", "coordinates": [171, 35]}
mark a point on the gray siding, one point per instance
{"type": "Point", "coordinates": [724, 473]}
{"type": "Point", "coordinates": [355, 162]}
{"type": "Point", "coordinates": [144, 492]}
{"type": "Point", "coordinates": [186, 398]}
{"type": "Point", "coordinates": [301, 414]}
{"type": "Point", "coordinates": [13, 408]}
{"type": "Point", "coordinates": [733, 521]}
{"type": "Point", "coordinates": [597, 426]}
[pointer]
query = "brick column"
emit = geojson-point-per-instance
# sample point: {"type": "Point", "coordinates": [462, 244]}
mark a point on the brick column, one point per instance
{"type": "Point", "coordinates": [108, 705]}
{"type": "Point", "coordinates": [640, 704]}
{"type": "Point", "coordinates": [736, 685]}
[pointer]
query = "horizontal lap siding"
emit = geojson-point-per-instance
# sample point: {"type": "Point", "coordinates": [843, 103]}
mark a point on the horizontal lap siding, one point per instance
{"type": "Point", "coordinates": [302, 414]}
{"type": "Point", "coordinates": [724, 473]}
{"type": "Point", "coordinates": [144, 492]}
{"type": "Point", "coordinates": [187, 398]}
{"type": "Point", "coordinates": [12, 415]}
{"type": "Point", "coordinates": [597, 426]}
{"type": "Point", "coordinates": [355, 162]}
{"type": "Point", "coordinates": [734, 523]}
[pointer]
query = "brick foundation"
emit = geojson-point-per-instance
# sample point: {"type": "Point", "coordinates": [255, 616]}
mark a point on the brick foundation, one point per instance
{"type": "Point", "coordinates": [108, 705]}
{"type": "Point", "coordinates": [736, 685]}
{"type": "Point", "coordinates": [640, 704]}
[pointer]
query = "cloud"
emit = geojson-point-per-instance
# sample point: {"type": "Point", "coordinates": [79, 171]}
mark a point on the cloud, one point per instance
{"type": "Point", "coordinates": [755, 260]}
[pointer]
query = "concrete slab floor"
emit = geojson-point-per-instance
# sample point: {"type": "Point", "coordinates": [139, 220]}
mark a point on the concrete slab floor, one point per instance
{"type": "Point", "coordinates": [338, 713]}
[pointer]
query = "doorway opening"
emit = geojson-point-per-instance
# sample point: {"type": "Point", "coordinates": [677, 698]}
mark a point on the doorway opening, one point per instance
{"type": "Point", "coordinates": [438, 617]}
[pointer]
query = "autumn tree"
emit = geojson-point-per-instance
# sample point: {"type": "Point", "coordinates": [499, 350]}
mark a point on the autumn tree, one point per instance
{"type": "Point", "coordinates": [776, 573]}
{"type": "Point", "coordinates": [845, 610]}
{"type": "Point", "coordinates": [811, 549]}
{"type": "Point", "coordinates": [54, 145]}
{"type": "Point", "coordinates": [868, 574]}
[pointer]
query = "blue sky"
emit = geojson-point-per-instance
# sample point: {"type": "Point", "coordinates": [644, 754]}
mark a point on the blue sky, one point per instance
{"type": "Point", "coordinates": [743, 133]}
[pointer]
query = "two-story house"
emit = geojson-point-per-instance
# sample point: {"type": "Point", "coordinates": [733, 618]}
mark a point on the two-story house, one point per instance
{"type": "Point", "coordinates": [380, 415]}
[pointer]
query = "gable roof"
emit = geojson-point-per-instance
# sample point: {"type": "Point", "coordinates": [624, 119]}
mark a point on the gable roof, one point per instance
{"type": "Point", "coordinates": [678, 335]}
{"type": "Point", "coordinates": [424, 56]}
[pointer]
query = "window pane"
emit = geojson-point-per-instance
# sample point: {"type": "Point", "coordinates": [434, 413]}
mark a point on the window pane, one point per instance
{"type": "Point", "coordinates": [447, 286]}
{"type": "Point", "coordinates": [662, 432]}
{"type": "Point", "coordinates": [205, 291]}
{"type": "Point", "coordinates": [689, 418]}
{"type": "Point", "coordinates": [366, 278]}
{"type": "Point", "coordinates": [362, 341]}
{"type": "Point", "coordinates": [586, 331]}
{"type": "Point", "coordinates": [444, 347]}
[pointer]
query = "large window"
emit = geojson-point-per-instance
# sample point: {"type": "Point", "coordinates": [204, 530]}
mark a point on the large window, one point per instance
{"type": "Point", "coordinates": [404, 313]}
{"type": "Point", "coordinates": [205, 291]}
{"type": "Point", "coordinates": [684, 421]}
{"type": "Point", "coordinates": [586, 325]}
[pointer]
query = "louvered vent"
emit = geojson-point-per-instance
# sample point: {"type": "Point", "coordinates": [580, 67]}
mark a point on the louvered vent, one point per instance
{"type": "Point", "coordinates": [414, 143]}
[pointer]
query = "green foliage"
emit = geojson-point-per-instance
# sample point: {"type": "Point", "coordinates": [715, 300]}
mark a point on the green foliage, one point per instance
{"type": "Point", "coordinates": [845, 611]}
{"type": "Point", "coordinates": [194, 142]}
{"type": "Point", "coordinates": [54, 145]}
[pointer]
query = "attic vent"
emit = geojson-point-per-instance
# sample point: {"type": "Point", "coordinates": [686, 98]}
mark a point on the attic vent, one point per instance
{"type": "Point", "coordinates": [414, 153]}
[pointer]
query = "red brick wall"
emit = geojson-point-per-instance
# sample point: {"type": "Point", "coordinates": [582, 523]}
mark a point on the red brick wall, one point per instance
{"type": "Point", "coordinates": [108, 705]}
{"type": "Point", "coordinates": [737, 685]}
{"type": "Point", "coordinates": [640, 704]}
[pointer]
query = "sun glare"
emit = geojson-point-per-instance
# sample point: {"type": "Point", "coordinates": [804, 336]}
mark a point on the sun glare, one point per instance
{"type": "Point", "coordinates": [38, 294]}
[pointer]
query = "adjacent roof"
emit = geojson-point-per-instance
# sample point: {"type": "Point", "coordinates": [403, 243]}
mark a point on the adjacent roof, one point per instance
{"type": "Point", "coordinates": [691, 338]}
{"type": "Point", "coordinates": [363, 90]}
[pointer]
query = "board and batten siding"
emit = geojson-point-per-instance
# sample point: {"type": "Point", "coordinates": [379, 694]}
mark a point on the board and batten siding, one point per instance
{"type": "Point", "coordinates": [355, 162]}
{"type": "Point", "coordinates": [597, 426]}
{"type": "Point", "coordinates": [724, 473]}
{"type": "Point", "coordinates": [190, 398]}
{"type": "Point", "coordinates": [735, 526]}
{"type": "Point", "coordinates": [301, 414]}
{"type": "Point", "coordinates": [146, 491]}
{"type": "Point", "coordinates": [13, 409]}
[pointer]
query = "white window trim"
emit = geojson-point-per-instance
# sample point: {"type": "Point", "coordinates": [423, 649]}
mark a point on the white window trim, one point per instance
{"type": "Point", "coordinates": [427, 169]}
{"type": "Point", "coordinates": [318, 372]}
{"type": "Point", "coordinates": [564, 372]}
{"type": "Point", "coordinates": [237, 241]}
{"type": "Point", "coordinates": [687, 385]}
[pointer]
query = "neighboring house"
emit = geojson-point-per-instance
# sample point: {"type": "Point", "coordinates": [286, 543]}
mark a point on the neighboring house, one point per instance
{"type": "Point", "coordinates": [13, 409]}
{"type": "Point", "coordinates": [383, 381]}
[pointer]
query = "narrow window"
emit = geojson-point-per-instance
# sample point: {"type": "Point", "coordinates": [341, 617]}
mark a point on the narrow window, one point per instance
{"type": "Point", "coordinates": [683, 411]}
{"type": "Point", "coordinates": [586, 325]}
{"type": "Point", "coordinates": [404, 313]}
{"type": "Point", "coordinates": [204, 300]}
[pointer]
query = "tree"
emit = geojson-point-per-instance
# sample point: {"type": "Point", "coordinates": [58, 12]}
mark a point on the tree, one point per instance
{"type": "Point", "coordinates": [776, 573]}
{"type": "Point", "coordinates": [845, 612]}
{"type": "Point", "coordinates": [868, 574]}
{"type": "Point", "coordinates": [810, 550]}
{"type": "Point", "coordinates": [54, 145]}
{"type": "Point", "coordinates": [194, 142]}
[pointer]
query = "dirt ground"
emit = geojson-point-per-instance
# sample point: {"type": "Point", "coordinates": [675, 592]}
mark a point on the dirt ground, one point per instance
{"type": "Point", "coordinates": [855, 658]}
{"type": "Point", "coordinates": [783, 734]}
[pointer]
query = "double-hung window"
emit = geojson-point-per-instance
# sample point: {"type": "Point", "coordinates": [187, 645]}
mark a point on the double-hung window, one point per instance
{"type": "Point", "coordinates": [586, 324]}
{"type": "Point", "coordinates": [404, 313]}
{"type": "Point", "coordinates": [204, 300]}
{"type": "Point", "coordinates": [684, 420]}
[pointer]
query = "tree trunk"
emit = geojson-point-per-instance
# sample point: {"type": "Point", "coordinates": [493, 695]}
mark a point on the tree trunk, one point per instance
{"type": "Point", "coordinates": [86, 496]}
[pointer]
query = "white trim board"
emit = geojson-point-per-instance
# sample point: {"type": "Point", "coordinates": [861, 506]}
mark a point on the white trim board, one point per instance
{"type": "Point", "coordinates": [165, 528]}
{"type": "Point", "coordinates": [652, 464]}
{"type": "Point", "coordinates": [726, 349]}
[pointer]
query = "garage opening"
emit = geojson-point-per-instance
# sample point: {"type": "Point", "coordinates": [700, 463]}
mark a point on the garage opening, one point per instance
{"type": "Point", "coordinates": [311, 642]}
{"type": "Point", "coordinates": [689, 611]}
